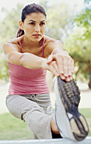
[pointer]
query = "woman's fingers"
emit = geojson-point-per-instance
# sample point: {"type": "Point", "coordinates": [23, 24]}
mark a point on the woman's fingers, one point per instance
{"type": "Point", "coordinates": [61, 64]}
{"type": "Point", "coordinates": [53, 68]}
{"type": "Point", "coordinates": [65, 63]}
{"type": "Point", "coordinates": [68, 66]}
{"type": "Point", "coordinates": [49, 59]}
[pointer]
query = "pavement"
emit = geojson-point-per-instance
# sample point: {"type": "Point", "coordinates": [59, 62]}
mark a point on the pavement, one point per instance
{"type": "Point", "coordinates": [84, 103]}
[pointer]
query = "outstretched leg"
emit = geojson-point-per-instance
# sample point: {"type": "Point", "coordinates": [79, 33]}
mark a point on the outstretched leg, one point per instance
{"type": "Point", "coordinates": [70, 122]}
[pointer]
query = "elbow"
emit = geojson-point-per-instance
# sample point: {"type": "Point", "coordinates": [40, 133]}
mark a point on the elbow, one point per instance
{"type": "Point", "coordinates": [4, 47]}
{"type": "Point", "coordinates": [23, 61]}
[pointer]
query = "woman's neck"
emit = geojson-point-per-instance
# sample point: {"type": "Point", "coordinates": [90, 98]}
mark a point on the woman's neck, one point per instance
{"type": "Point", "coordinates": [30, 43]}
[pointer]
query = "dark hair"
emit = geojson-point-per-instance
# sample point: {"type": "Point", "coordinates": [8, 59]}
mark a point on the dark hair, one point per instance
{"type": "Point", "coordinates": [32, 8]}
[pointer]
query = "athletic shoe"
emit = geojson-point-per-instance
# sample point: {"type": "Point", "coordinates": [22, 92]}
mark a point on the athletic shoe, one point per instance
{"type": "Point", "coordinates": [69, 121]}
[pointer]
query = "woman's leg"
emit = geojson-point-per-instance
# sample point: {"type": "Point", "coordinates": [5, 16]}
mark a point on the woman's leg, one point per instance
{"type": "Point", "coordinates": [43, 100]}
{"type": "Point", "coordinates": [34, 115]}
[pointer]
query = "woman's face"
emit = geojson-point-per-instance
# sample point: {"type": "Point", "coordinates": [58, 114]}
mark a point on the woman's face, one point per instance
{"type": "Point", "coordinates": [34, 26]}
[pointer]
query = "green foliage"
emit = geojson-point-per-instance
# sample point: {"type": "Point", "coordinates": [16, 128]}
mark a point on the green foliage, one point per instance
{"type": "Point", "coordinates": [87, 113]}
{"type": "Point", "coordinates": [13, 128]}
{"type": "Point", "coordinates": [80, 51]}
{"type": "Point", "coordinates": [87, 1]}
{"type": "Point", "coordinates": [78, 43]}
{"type": "Point", "coordinates": [58, 19]}
{"type": "Point", "coordinates": [3, 68]}
{"type": "Point", "coordinates": [9, 25]}
{"type": "Point", "coordinates": [8, 29]}
{"type": "Point", "coordinates": [84, 20]}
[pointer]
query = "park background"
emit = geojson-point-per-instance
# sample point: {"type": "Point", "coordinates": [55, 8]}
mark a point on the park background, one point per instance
{"type": "Point", "coordinates": [68, 21]}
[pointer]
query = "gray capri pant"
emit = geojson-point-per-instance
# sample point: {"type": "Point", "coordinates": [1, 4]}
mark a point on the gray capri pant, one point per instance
{"type": "Point", "coordinates": [35, 110]}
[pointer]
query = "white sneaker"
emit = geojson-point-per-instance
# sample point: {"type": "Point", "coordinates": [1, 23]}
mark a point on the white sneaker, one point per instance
{"type": "Point", "coordinates": [69, 121]}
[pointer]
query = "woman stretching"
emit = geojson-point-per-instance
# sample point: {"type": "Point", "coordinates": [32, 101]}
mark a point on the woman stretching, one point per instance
{"type": "Point", "coordinates": [29, 56]}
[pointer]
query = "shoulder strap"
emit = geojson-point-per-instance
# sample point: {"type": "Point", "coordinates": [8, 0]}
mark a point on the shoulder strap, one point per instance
{"type": "Point", "coordinates": [43, 47]}
{"type": "Point", "coordinates": [20, 44]}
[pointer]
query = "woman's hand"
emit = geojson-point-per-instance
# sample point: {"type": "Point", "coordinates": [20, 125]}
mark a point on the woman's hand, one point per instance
{"type": "Point", "coordinates": [52, 67]}
{"type": "Point", "coordinates": [62, 63]}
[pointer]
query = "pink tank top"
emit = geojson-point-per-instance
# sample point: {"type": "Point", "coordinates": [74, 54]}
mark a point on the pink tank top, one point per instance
{"type": "Point", "coordinates": [25, 81]}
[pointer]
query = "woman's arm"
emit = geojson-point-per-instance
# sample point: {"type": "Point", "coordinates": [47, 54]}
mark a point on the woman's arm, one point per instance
{"type": "Point", "coordinates": [52, 45]}
{"type": "Point", "coordinates": [27, 60]}
{"type": "Point", "coordinates": [60, 60]}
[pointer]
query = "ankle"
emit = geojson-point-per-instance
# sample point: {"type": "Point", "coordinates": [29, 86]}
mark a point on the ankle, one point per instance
{"type": "Point", "coordinates": [54, 127]}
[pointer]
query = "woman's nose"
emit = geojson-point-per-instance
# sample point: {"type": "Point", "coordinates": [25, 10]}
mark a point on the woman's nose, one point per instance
{"type": "Point", "coordinates": [37, 28]}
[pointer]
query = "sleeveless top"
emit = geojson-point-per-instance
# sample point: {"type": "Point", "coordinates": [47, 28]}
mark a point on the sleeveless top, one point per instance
{"type": "Point", "coordinates": [24, 81]}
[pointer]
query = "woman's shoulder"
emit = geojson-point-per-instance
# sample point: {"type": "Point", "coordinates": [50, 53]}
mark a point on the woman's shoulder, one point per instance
{"type": "Point", "coordinates": [12, 44]}
{"type": "Point", "coordinates": [15, 40]}
{"type": "Point", "coordinates": [48, 45]}
{"type": "Point", "coordinates": [49, 39]}
{"type": "Point", "coordinates": [51, 43]}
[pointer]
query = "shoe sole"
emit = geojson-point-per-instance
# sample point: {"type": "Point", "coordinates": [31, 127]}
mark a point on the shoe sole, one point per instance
{"type": "Point", "coordinates": [69, 94]}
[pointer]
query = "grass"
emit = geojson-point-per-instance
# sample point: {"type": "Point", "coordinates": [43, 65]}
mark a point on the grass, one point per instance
{"type": "Point", "coordinates": [87, 113]}
{"type": "Point", "coordinates": [13, 128]}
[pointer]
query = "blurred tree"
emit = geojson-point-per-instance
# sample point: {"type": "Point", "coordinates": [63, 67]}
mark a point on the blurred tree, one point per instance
{"type": "Point", "coordinates": [9, 25]}
{"type": "Point", "coordinates": [79, 43]}
{"type": "Point", "coordinates": [44, 4]}
{"type": "Point", "coordinates": [81, 53]}
{"type": "Point", "coordinates": [59, 17]}
{"type": "Point", "coordinates": [8, 29]}
{"type": "Point", "coordinates": [83, 20]}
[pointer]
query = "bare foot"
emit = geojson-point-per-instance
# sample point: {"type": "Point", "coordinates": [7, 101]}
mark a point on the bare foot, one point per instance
{"type": "Point", "coordinates": [54, 127]}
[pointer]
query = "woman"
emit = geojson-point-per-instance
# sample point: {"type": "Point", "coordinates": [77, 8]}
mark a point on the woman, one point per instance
{"type": "Point", "coordinates": [29, 56]}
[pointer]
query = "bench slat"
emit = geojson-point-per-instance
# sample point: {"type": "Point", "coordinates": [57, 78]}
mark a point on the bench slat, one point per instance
{"type": "Point", "coordinates": [46, 141]}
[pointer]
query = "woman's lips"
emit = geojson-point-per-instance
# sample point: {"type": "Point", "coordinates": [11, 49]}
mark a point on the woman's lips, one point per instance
{"type": "Point", "coordinates": [36, 35]}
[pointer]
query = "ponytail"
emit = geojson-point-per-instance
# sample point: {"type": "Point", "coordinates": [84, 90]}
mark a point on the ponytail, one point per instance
{"type": "Point", "coordinates": [20, 32]}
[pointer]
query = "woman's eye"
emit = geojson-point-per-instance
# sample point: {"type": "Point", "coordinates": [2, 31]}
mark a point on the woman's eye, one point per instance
{"type": "Point", "coordinates": [32, 23]}
{"type": "Point", "coordinates": [42, 23]}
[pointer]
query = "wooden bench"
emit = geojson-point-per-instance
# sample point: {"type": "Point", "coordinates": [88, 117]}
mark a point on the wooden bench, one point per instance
{"type": "Point", "coordinates": [46, 141]}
